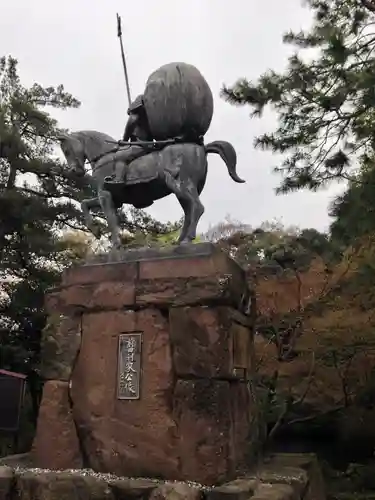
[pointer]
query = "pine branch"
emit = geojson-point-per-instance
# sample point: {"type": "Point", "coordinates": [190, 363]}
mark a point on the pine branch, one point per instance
{"type": "Point", "coordinates": [325, 105]}
{"type": "Point", "coordinates": [369, 5]}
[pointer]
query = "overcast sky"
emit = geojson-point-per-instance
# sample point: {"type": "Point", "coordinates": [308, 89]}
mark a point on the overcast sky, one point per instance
{"type": "Point", "coordinates": [74, 42]}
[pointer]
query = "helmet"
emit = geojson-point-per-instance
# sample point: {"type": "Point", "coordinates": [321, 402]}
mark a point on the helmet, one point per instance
{"type": "Point", "coordinates": [136, 105]}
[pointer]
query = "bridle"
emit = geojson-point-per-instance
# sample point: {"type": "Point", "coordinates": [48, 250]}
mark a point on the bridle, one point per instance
{"type": "Point", "coordinates": [98, 157]}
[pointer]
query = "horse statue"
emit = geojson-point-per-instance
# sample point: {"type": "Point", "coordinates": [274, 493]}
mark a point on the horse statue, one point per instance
{"type": "Point", "coordinates": [179, 168]}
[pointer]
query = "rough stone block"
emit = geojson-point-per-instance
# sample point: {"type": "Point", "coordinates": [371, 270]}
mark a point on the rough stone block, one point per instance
{"type": "Point", "coordinates": [239, 489]}
{"type": "Point", "coordinates": [193, 418]}
{"type": "Point", "coordinates": [275, 473]}
{"type": "Point", "coordinates": [244, 437]}
{"type": "Point", "coordinates": [197, 274]}
{"type": "Point", "coordinates": [133, 438]}
{"type": "Point", "coordinates": [207, 343]}
{"type": "Point", "coordinates": [202, 412]}
{"type": "Point", "coordinates": [6, 482]}
{"type": "Point", "coordinates": [91, 297]}
{"type": "Point", "coordinates": [61, 340]}
{"type": "Point", "coordinates": [56, 444]}
{"type": "Point", "coordinates": [34, 485]}
{"type": "Point", "coordinates": [275, 492]}
{"type": "Point", "coordinates": [177, 292]}
{"type": "Point", "coordinates": [132, 489]}
{"type": "Point", "coordinates": [100, 273]}
{"type": "Point", "coordinates": [176, 491]}
{"type": "Point", "coordinates": [309, 463]}
{"type": "Point", "coordinates": [213, 263]}
{"type": "Point", "coordinates": [201, 342]}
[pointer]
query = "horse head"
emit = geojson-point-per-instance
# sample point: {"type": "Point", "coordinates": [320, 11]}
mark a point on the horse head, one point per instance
{"type": "Point", "coordinates": [74, 152]}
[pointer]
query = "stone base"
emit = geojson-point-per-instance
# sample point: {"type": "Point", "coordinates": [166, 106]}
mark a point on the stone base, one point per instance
{"type": "Point", "coordinates": [196, 416]}
{"type": "Point", "coordinates": [56, 445]}
{"type": "Point", "coordinates": [295, 477]}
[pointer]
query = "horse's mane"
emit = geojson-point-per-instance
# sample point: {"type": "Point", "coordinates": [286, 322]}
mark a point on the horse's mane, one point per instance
{"type": "Point", "coordinates": [93, 135]}
{"type": "Point", "coordinates": [95, 141]}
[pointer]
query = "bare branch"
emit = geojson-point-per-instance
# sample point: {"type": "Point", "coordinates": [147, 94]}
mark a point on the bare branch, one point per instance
{"type": "Point", "coordinates": [309, 380]}
{"type": "Point", "coordinates": [308, 418]}
{"type": "Point", "coordinates": [289, 403]}
{"type": "Point", "coordinates": [259, 364]}
{"type": "Point", "coordinates": [279, 421]}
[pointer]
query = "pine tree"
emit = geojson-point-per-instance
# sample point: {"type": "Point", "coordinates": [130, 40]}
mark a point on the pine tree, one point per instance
{"type": "Point", "coordinates": [325, 102]}
{"type": "Point", "coordinates": [354, 210]}
{"type": "Point", "coordinates": [38, 202]}
{"type": "Point", "coordinates": [35, 203]}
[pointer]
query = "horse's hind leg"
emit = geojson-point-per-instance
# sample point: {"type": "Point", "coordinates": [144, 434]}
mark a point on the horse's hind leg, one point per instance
{"type": "Point", "coordinates": [175, 186]}
{"type": "Point", "coordinates": [187, 218]}
{"type": "Point", "coordinates": [188, 197]}
{"type": "Point", "coordinates": [197, 209]}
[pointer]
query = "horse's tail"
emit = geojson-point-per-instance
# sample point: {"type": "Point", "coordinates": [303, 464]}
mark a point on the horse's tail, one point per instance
{"type": "Point", "coordinates": [227, 154]}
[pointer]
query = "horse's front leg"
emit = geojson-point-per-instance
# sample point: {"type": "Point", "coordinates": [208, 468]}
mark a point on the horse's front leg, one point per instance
{"type": "Point", "coordinates": [110, 214]}
{"type": "Point", "coordinates": [86, 206]}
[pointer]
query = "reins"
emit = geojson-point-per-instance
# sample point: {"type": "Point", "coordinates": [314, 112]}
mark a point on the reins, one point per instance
{"type": "Point", "coordinates": [123, 145]}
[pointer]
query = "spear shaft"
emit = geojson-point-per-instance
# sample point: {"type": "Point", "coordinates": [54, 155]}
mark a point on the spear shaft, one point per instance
{"type": "Point", "coordinates": [119, 34]}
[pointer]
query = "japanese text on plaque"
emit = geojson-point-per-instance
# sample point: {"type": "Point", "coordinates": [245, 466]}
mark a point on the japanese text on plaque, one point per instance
{"type": "Point", "coordinates": [129, 366]}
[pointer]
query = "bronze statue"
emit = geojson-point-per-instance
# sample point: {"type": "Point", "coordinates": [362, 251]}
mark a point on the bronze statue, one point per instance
{"type": "Point", "coordinates": [166, 153]}
{"type": "Point", "coordinates": [137, 127]}
{"type": "Point", "coordinates": [136, 130]}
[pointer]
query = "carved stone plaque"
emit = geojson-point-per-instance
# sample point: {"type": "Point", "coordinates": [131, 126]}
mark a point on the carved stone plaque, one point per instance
{"type": "Point", "coordinates": [129, 365]}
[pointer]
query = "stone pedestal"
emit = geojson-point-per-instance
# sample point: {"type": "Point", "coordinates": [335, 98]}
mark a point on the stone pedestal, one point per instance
{"type": "Point", "coordinates": [167, 332]}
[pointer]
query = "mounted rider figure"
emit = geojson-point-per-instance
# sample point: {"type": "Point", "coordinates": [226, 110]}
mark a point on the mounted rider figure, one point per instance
{"type": "Point", "coordinates": [137, 129]}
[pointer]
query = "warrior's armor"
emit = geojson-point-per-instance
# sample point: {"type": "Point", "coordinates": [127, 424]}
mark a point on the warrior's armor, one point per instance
{"type": "Point", "coordinates": [136, 129]}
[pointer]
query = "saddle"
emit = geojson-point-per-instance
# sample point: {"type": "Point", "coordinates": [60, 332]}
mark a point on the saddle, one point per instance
{"type": "Point", "coordinates": [145, 170]}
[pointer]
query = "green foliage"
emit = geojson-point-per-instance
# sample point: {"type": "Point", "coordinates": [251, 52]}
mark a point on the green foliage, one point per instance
{"type": "Point", "coordinates": [138, 224]}
{"type": "Point", "coordinates": [354, 210]}
{"type": "Point", "coordinates": [38, 203]}
{"type": "Point", "coordinates": [325, 98]}
{"type": "Point", "coordinates": [152, 235]}
{"type": "Point", "coordinates": [297, 250]}
{"type": "Point", "coordinates": [271, 244]}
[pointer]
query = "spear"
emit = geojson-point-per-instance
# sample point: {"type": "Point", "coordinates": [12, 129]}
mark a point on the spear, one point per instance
{"type": "Point", "coordinates": [119, 34]}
